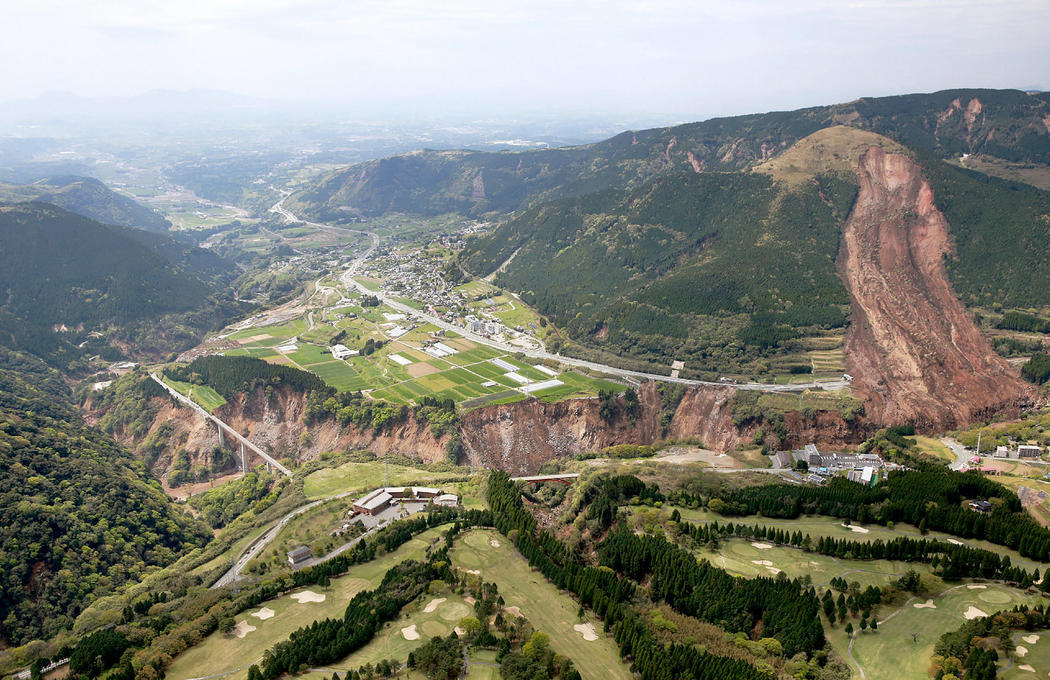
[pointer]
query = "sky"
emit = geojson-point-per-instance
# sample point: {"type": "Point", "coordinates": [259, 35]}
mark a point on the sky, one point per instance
{"type": "Point", "coordinates": [680, 58]}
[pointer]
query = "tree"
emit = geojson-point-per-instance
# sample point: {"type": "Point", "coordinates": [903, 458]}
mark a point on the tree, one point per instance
{"type": "Point", "coordinates": [849, 629]}
{"type": "Point", "coordinates": [874, 624]}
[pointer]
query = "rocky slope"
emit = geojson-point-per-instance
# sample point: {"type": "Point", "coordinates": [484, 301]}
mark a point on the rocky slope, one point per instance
{"type": "Point", "coordinates": [914, 350]}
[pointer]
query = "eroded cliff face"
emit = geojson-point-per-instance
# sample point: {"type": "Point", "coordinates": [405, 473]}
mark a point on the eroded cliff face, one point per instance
{"type": "Point", "coordinates": [914, 351]}
{"type": "Point", "coordinates": [520, 437]}
{"type": "Point", "coordinates": [517, 437]}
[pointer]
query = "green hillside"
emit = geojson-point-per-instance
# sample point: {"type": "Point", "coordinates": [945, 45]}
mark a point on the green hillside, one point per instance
{"type": "Point", "coordinates": [79, 516]}
{"type": "Point", "coordinates": [61, 269]}
{"type": "Point", "coordinates": [688, 266]}
{"type": "Point", "coordinates": [1006, 124]}
{"type": "Point", "coordinates": [88, 197]}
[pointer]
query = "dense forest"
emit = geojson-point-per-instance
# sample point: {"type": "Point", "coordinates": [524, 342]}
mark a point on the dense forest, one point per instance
{"type": "Point", "coordinates": [59, 270]}
{"type": "Point", "coordinates": [79, 516]}
{"type": "Point", "coordinates": [689, 266]}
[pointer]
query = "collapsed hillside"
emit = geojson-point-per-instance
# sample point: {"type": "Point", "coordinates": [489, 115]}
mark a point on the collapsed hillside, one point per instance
{"type": "Point", "coordinates": [517, 437]}
{"type": "Point", "coordinates": [916, 354]}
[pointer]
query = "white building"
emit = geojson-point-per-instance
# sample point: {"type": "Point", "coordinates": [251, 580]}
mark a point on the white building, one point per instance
{"type": "Point", "coordinates": [343, 352]}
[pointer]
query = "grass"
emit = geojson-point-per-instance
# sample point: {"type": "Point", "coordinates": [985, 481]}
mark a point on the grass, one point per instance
{"type": "Point", "coordinates": [219, 653]}
{"type": "Point", "coordinates": [390, 643]}
{"type": "Point", "coordinates": [547, 608]}
{"type": "Point", "coordinates": [933, 447]}
{"type": "Point", "coordinates": [892, 652]}
{"type": "Point", "coordinates": [202, 394]}
{"type": "Point", "coordinates": [829, 526]}
{"type": "Point", "coordinates": [739, 557]}
{"type": "Point", "coordinates": [349, 476]}
{"type": "Point", "coordinates": [1037, 656]}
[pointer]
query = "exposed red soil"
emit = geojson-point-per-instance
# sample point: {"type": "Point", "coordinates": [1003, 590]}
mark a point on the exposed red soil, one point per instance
{"type": "Point", "coordinates": [913, 349]}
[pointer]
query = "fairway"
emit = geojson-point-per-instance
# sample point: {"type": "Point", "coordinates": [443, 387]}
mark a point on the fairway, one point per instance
{"type": "Point", "coordinates": [1036, 654]}
{"type": "Point", "coordinates": [741, 557]}
{"type": "Point", "coordinates": [892, 653]}
{"type": "Point", "coordinates": [816, 525]}
{"type": "Point", "coordinates": [220, 653]}
{"type": "Point", "coordinates": [329, 481]}
{"type": "Point", "coordinates": [547, 608]}
{"type": "Point", "coordinates": [202, 394]}
{"type": "Point", "coordinates": [391, 642]}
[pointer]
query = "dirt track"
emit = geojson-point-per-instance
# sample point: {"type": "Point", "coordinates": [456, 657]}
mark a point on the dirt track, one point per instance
{"type": "Point", "coordinates": [913, 349]}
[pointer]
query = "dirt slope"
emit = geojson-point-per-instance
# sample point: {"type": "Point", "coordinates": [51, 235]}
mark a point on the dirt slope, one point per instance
{"type": "Point", "coordinates": [913, 349]}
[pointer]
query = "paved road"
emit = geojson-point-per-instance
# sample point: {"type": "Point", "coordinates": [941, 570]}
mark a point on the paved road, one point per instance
{"type": "Point", "coordinates": [540, 352]}
{"type": "Point", "coordinates": [234, 572]}
{"type": "Point", "coordinates": [226, 428]}
{"type": "Point", "coordinates": [962, 454]}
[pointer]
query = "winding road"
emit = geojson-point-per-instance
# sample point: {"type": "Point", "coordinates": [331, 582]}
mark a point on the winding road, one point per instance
{"type": "Point", "coordinates": [540, 352]}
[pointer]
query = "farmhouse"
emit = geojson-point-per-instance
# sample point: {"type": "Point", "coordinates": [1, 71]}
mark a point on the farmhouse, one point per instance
{"type": "Point", "coordinates": [299, 555]}
{"type": "Point", "coordinates": [980, 506]}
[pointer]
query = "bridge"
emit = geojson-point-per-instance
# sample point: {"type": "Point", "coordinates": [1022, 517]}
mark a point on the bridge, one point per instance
{"type": "Point", "coordinates": [224, 429]}
{"type": "Point", "coordinates": [567, 478]}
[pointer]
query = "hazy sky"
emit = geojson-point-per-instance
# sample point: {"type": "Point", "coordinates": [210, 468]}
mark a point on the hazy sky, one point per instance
{"type": "Point", "coordinates": [688, 58]}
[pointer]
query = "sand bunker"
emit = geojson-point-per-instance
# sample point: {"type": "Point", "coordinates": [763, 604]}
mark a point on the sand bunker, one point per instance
{"type": "Point", "coordinates": [433, 604]}
{"type": "Point", "coordinates": [859, 530]}
{"type": "Point", "coordinates": [469, 600]}
{"type": "Point", "coordinates": [243, 628]}
{"type": "Point", "coordinates": [476, 572]}
{"type": "Point", "coordinates": [928, 604]}
{"type": "Point", "coordinates": [459, 631]}
{"type": "Point", "coordinates": [587, 631]}
{"type": "Point", "coordinates": [1021, 651]}
{"type": "Point", "coordinates": [972, 587]}
{"type": "Point", "coordinates": [410, 632]}
{"type": "Point", "coordinates": [307, 596]}
{"type": "Point", "coordinates": [494, 543]}
{"type": "Point", "coordinates": [1026, 667]}
{"type": "Point", "coordinates": [513, 611]}
{"type": "Point", "coordinates": [762, 546]}
{"type": "Point", "coordinates": [1031, 639]}
{"type": "Point", "coordinates": [973, 613]}
{"type": "Point", "coordinates": [263, 614]}
{"type": "Point", "coordinates": [773, 570]}
{"type": "Point", "coordinates": [764, 563]}
{"type": "Point", "coordinates": [955, 541]}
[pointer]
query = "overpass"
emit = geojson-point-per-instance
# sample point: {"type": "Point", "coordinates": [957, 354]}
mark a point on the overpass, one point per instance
{"type": "Point", "coordinates": [224, 428]}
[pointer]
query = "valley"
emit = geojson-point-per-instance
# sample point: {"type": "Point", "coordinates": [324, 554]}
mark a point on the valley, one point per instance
{"type": "Point", "coordinates": [220, 400]}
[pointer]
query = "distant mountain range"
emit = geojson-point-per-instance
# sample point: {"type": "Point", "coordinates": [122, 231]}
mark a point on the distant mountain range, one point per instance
{"type": "Point", "coordinates": [1006, 124]}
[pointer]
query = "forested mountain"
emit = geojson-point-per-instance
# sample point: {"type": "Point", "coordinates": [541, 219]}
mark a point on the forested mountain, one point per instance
{"type": "Point", "coordinates": [88, 197]}
{"type": "Point", "coordinates": [695, 266]}
{"type": "Point", "coordinates": [79, 515]}
{"type": "Point", "coordinates": [1005, 124]}
{"type": "Point", "coordinates": [59, 270]}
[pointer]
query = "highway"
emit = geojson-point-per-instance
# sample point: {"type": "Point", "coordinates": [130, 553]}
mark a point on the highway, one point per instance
{"type": "Point", "coordinates": [540, 352]}
{"type": "Point", "coordinates": [223, 426]}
